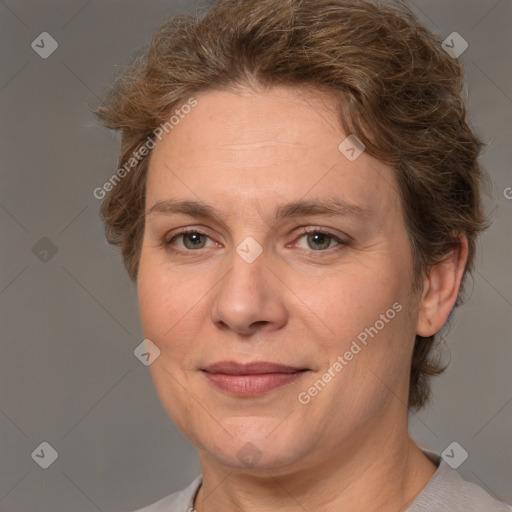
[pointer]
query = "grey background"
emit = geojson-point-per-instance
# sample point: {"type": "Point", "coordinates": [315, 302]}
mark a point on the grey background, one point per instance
{"type": "Point", "coordinates": [70, 324]}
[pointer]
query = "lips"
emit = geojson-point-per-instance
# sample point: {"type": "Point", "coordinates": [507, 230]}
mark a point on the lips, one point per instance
{"type": "Point", "coordinates": [233, 368]}
{"type": "Point", "coordinates": [251, 379]}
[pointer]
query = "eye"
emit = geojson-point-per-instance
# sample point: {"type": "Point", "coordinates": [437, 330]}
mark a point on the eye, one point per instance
{"type": "Point", "coordinates": [319, 239]}
{"type": "Point", "coordinates": [316, 239]}
{"type": "Point", "coordinates": [191, 240]}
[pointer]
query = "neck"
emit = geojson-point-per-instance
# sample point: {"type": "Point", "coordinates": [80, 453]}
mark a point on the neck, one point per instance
{"type": "Point", "coordinates": [383, 473]}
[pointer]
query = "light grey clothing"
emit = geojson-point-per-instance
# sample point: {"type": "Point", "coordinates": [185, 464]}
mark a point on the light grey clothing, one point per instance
{"type": "Point", "coordinates": [446, 491]}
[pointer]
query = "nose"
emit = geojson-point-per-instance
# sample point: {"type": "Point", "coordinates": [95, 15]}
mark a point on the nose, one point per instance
{"type": "Point", "coordinates": [250, 298]}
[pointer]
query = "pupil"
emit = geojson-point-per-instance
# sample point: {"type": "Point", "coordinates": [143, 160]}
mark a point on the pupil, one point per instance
{"type": "Point", "coordinates": [193, 240]}
{"type": "Point", "coordinates": [320, 239]}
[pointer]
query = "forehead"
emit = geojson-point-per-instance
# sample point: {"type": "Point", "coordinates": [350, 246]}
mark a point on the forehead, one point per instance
{"type": "Point", "coordinates": [280, 144]}
{"type": "Point", "coordinates": [241, 122]}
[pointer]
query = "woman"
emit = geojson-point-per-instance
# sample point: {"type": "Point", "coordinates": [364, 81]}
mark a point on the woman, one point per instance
{"type": "Point", "coordinates": [298, 202]}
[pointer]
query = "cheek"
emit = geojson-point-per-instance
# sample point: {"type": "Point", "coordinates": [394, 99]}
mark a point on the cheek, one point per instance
{"type": "Point", "coordinates": [164, 300]}
{"type": "Point", "coordinates": [352, 299]}
{"type": "Point", "coordinates": [174, 311]}
{"type": "Point", "coordinates": [154, 299]}
{"type": "Point", "coordinates": [365, 314]}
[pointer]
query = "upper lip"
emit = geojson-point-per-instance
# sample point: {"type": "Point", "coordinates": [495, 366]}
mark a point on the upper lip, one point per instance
{"type": "Point", "coordinates": [234, 368]}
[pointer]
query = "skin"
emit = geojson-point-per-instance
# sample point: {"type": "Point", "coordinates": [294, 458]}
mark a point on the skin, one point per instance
{"type": "Point", "coordinates": [301, 302]}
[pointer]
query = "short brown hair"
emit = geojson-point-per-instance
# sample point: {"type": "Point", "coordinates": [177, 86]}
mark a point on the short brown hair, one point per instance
{"type": "Point", "coordinates": [399, 91]}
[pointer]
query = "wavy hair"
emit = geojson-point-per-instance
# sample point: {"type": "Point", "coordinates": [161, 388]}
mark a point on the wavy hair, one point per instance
{"type": "Point", "coordinates": [399, 91]}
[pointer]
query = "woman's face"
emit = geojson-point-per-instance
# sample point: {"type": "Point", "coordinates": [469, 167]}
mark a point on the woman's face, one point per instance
{"type": "Point", "coordinates": [269, 274]}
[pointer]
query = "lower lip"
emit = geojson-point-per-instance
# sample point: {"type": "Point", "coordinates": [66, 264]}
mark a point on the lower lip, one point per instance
{"type": "Point", "coordinates": [252, 385]}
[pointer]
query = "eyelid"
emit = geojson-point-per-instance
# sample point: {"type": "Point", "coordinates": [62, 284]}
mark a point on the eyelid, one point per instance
{"type": "Point", "coordinates": [324, 231]}
{"type": "Point", "coordinates": [307, 230]}
{"type": "Point", "coordinates": [169, 239]}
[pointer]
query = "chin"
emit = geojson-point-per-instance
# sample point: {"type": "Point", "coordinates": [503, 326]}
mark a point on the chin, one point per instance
{"type": "Point", "coordinates": [256, 451]}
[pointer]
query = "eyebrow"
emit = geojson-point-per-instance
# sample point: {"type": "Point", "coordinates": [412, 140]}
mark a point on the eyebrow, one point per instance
{"type": "Point", "coordinates": [333, 207]}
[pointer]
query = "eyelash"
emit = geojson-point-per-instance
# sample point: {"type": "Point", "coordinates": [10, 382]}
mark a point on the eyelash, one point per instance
{"type": "Point", "coordinates": [304, 232]}
{"type": "Point", "coordinates": [320, 231]}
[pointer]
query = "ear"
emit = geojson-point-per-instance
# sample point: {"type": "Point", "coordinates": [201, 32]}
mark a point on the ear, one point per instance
{"type": "Point", "coordinates": [441, 288]}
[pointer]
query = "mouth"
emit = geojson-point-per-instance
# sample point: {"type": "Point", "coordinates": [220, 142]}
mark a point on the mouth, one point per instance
{"type": "Point", "coordinates": [251, 379]}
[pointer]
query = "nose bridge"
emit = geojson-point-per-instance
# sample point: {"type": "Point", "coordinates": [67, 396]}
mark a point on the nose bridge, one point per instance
{"type": "Point", "coordinates": [246, 295]}
{"type": "Point", "coordinates": [245, 284]}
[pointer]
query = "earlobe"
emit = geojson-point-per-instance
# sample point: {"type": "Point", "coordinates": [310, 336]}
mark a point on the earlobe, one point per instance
{"type": "Point", "coordinates": [441, 288]}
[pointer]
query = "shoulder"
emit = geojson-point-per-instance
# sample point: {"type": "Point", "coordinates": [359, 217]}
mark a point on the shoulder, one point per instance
{"type": "Point", "coordinates": [181, 501]}
{"type": "Point", "coordinates": [447, 491]}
